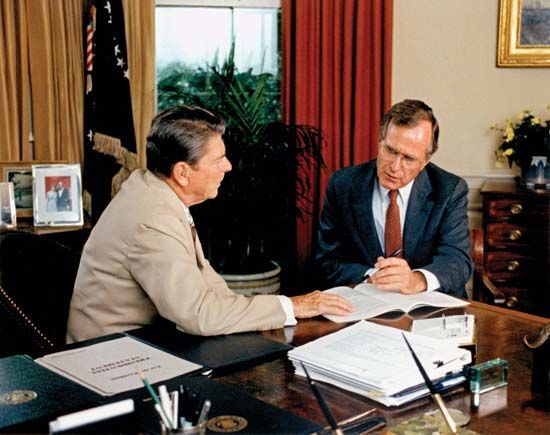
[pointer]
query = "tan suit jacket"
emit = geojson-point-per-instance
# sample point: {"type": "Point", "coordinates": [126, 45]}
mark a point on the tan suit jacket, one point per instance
{"type": "Point", "coordinates": [140, 261]}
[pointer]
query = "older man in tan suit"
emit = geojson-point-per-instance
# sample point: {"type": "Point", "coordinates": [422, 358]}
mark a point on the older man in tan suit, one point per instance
{"type": "Point", "coordinates": [143, 258]}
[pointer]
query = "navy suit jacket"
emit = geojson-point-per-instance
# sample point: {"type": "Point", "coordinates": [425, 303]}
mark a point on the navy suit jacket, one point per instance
{"type": "Point", "coordinates": [435, 236]}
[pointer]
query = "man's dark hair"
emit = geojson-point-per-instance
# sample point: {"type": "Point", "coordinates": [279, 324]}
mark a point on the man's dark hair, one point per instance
{"type": "Point", "coordinates": [179, 134]}
{"type": "Point", "coordinates": [409, 113]}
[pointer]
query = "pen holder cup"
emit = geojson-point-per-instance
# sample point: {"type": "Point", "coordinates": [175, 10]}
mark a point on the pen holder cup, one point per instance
{"type": "Point", "coordinates": [199, 429]}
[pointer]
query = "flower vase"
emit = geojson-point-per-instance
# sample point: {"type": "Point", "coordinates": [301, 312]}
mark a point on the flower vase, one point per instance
{"type": "Point", "coordinates": [537, 175]}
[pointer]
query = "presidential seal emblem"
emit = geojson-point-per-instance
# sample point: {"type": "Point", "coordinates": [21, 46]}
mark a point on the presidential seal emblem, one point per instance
{"type": "Point", "coordinates": [17, 397]}
{"type": "Point", "coordinates": [227, 423]}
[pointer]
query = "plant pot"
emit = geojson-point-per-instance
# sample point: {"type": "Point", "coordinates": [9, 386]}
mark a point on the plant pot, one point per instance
{"type": "Point", "coordinates": [265, 283]}
{"type": "Point", "coordinates": [537, 174]}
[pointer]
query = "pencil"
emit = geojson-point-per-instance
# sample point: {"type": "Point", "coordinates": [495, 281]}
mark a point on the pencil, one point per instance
{"type": "Point", "coordinates": [155, 399]}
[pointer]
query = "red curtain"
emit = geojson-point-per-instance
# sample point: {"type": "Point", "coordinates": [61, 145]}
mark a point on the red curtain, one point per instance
{"type": "Point", "coordinates": [336, 76]}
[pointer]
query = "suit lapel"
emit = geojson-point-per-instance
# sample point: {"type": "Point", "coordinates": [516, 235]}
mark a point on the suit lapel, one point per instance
{"type": "Point", "coordinates": [361, 202]}
{"type": "Point", "coordinates": [418, 211]}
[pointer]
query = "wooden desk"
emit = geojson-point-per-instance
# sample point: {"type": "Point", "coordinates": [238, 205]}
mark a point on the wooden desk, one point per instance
{"type": "Point", "coordinates": [501, 332]}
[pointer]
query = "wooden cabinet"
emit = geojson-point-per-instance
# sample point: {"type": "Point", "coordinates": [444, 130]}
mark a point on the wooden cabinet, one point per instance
{"type": "Point", "coordinates": [516, 234]}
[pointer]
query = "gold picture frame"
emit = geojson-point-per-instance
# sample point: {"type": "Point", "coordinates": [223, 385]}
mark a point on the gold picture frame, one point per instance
{"type": "Point", "coordinates": [524, 33]}
{"type": "Point", "coordinates": [20, 173]}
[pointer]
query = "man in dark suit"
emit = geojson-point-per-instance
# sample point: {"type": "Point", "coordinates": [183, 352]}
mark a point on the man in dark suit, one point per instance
{"type": "Point", "coordinates": [399, 221]}
{"type": "Point", "coordinates": [63, 201]}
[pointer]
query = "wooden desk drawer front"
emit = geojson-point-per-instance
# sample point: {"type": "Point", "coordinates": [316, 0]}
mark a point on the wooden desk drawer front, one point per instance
{"type": "Point", "coordinates": [506, 235]}
{"type": "Point", "coordinates": [504, 266]}
{"type": "Point", "coordinates": [515, 209]}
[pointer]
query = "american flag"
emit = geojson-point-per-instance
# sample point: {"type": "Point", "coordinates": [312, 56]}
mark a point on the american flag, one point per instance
{"type": "Point", "coordinates": [109, 137]}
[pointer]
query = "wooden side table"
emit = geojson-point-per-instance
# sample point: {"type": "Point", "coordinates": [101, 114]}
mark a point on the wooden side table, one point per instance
{"type": "Point", "coordinates": [73, 238]}
{"type": "Point", "coordinates": [516, 259]}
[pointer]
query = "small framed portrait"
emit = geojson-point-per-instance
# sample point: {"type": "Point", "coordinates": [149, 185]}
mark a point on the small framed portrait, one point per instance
{"type": "Point", "coordinates": [57, 195]}
{"type": "Point", "coordinates": [20, 174]}
{"type": "Point", "coordinates": [8, 217]}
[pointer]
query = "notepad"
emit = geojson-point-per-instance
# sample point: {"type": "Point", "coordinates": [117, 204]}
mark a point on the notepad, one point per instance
{"type": "Point", "coordinates": [368, 301]}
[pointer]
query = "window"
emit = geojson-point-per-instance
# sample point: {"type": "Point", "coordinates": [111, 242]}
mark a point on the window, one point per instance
{"type": "Point", "coordinates": [193, 36]}
{"type": "Point", "coordinates": [196, 35]}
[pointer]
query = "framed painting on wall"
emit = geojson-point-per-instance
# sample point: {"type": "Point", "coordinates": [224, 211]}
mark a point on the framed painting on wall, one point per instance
{"type": "Point", "coordinates": [524, 33]}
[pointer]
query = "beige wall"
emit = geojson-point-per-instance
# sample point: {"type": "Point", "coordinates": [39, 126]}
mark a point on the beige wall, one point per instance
{"type": "Point", "coordinates": [444, 52]}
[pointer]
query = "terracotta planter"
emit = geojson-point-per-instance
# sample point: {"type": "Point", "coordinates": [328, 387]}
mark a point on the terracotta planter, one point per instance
{"type": "Point", "coordinates": [265, 283]}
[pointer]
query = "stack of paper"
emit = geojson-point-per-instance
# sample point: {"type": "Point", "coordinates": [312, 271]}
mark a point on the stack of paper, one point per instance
{"type": "Point", "coordinates": [374, 361]}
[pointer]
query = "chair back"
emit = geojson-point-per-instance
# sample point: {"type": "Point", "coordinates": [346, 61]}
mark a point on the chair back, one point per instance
{"type": "Point", "coordinates": [37, 277]}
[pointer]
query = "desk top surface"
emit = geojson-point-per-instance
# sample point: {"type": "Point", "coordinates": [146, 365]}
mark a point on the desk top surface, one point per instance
{"type": "Point", "coordinates": [500, 335]}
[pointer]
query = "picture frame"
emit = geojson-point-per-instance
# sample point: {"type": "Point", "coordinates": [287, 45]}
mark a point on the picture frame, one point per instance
{"type": "Point", "coordinates": [8, 216]}
{"type": "Point", "coordinates": [524, 33]}
{"type": "Point", "coordinates": [57, 195]}
{"type": "Point", "coordinates": [20, 174]}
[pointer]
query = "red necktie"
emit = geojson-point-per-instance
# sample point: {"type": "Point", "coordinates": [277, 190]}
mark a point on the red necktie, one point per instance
{"type": "Point", "coordinates": [392, 231]}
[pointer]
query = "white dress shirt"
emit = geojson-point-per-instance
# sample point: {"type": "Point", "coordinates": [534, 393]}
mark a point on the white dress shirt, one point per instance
{"type": "Point", "coordinates": [380, 203]}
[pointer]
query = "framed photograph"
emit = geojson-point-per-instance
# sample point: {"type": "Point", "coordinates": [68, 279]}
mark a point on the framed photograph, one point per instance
{"type": "Point", "coordinates": [57, 195]}
{"type": "Point", "coordinates": [524, 33]}
{"type": "Point", "coordinates": [20, 174]}
{"type": "Point", "coordinates": [8, 218]}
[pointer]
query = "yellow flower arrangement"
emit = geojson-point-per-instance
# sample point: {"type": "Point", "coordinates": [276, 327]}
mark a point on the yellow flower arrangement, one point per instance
{"type": "Point", "coordinates": [522, 140]}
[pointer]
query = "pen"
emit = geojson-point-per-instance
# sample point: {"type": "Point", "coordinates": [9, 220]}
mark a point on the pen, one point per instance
{"type": "Point", "coordinates": [204, 412]}
{"type": "Point", "coordinates": [322, 404]}
{"type": "Point", "coordinates": [435, 395]}
{"type": "Point", "coordinates": [155, 399]}
{"type": "Point", "coordinates": [395, 253]}
{"type": "Point", "coordinates": [165, 401]}
{"type": "Point", "coordinates": [175, 408]}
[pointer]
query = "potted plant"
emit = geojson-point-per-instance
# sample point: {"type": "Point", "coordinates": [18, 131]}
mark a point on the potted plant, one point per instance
{"type": "Point", "coordinates": [527, 144]}
{"type": "Point", "coordinates": [250, 227]}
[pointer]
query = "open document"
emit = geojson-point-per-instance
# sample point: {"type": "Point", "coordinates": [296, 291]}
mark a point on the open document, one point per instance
{"type": "Point", "coordinates": [374, 361]}
{"type": "Point", "coordinates": [113, 366]}
{"type": "Point", "coordinates": [369, 301]}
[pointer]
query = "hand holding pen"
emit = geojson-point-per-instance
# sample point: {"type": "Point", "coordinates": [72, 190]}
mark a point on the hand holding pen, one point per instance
{"type": "Point", "coordinates": [394, 274]}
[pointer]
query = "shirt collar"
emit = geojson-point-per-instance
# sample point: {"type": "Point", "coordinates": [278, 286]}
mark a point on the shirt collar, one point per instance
{"type": "Point", "coordinates": [404, 192]}
{"type": "Point", "coordinates": [187, 214]}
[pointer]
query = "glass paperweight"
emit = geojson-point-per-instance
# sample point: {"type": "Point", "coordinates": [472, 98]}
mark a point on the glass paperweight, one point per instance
{"type": "Point", "coordinates": [486, 377]}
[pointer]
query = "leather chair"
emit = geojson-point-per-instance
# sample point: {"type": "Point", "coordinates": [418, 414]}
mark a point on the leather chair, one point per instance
{"type": "Point", "coordinates": [37, 276]}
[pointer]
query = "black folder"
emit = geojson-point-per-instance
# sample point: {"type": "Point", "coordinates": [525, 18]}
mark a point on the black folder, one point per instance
{"type": "Point", "coordinates": [222, 353]}
{"type": "Point", "coordinates": [55, 395]}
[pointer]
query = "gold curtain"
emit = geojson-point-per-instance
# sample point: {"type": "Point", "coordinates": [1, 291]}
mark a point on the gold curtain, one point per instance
{"type": "Point", "coordinates": [56, 78]}
{"type": "Point", "coordinates": [139, 20]}
{"type": "Point", "coordinates": [41, 79]}
{"type": "Point", "coordinates": [14, 91]}
{"type": "Point", "coordinates": [41, 76]}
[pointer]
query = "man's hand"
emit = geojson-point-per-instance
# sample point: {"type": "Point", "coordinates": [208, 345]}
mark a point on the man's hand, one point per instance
{"type": "Point", "coordinates": [395, 274]}
{"type": "Point", "coordinates": [317, 303]}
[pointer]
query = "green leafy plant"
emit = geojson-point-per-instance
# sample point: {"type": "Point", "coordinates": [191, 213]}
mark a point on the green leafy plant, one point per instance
{"type": "Point", "coordinates": [527, 137]}
{"type": "Point", "coordinates": [252, 220]}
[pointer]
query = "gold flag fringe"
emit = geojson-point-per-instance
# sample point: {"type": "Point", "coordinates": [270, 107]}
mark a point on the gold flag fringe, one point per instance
{"type": "Point", "coordinates": [87, 202]}
{"type": "Point", "coordinates": [127, 160]}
